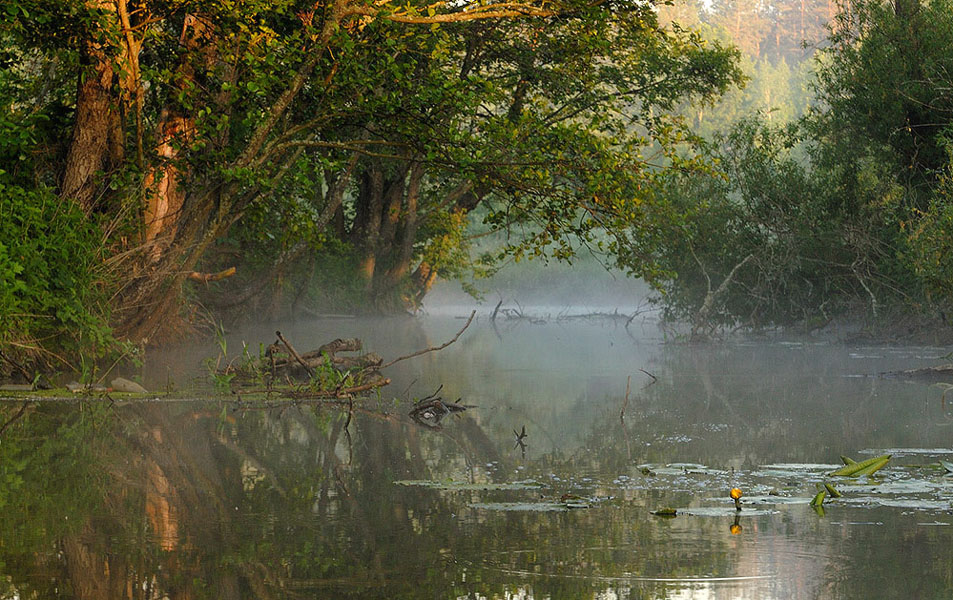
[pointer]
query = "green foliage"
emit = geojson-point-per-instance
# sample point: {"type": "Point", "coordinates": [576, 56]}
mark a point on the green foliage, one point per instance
{"type": "Point", "coordinates": [882, 141]}
{"type": "Point", "coordinates": [779, 231]}
{"type": "Point", "coordinates": [49, 294]}
{"type": "Point", "coordinates": [535, 120]}
{"type": "Point", "coordinates": [847, 209]}
{"type": "Point", "coordinates": [929, 243]}
{"type": "Point", "coordinates": [883, 82]}
{"type": "Point", "coordinates": [51, 474]}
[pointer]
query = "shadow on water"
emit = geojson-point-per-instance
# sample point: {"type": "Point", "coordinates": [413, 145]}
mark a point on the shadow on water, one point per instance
{"type": "Point", "coordinates": [211, 499]}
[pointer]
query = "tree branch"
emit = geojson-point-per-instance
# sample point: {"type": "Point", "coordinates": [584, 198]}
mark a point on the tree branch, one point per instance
{"type": "Point", "coordinates": [491, 11]}
{"type": "Point", "coordinates": [434, 349]}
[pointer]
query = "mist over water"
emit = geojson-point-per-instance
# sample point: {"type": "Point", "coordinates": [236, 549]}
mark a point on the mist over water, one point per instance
{"type": "Point", "coordinates": [618, 422]}
{"type": "Point", "coordinates": [557, 289]}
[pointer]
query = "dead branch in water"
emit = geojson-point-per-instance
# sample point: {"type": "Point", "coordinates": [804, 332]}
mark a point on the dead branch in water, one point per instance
{"type": "Point", "coordinates": [496, 310]}
{"type": "Point", "coordinates": [340, 377]}
{"type": "Point", "coordinates": [628, 384]}
{"type": "Point", "coordinates": [625, 402]}
{"type": "Point", "coordinates": [434, 349]}
{"type": "Point", "coordinates": [295, 354]}
{"type": "Point", "coordinates": [935, 372]}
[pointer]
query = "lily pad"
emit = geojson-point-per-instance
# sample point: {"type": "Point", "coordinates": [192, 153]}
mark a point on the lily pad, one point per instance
{"type": "Point", "coordinates": [467, 486]}
{"type": "Point", "coordinates": [717, 511]}
{"type": "Point", "coordinates": [910, 503]}
{"type": "Point", "coordinates": [776, 500]}
{"type": "Point", "coordinates": [521, 506]}
{"type": "Point", "coordinates": [681, 469]}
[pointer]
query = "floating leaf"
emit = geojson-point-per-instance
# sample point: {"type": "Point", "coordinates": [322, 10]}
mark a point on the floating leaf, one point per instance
{"type": "Point", "coordinates": [873, 468]}
{"type": "Point", "coordinates": [819, 498]}
{"type": "Point", "coordinates": [665, 512]}
{"type": "Point", "coordinates": [847, 460]}
{"type": "Point", "coordinates": [832, 491]}
{"type": "Point", "coordinates": [947, 465]}
{"type": "Point", "coordinates": [862, 468]}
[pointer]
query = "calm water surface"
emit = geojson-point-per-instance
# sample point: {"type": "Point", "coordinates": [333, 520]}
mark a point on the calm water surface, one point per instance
{"type": "Point", "coordinates": [213, 499]}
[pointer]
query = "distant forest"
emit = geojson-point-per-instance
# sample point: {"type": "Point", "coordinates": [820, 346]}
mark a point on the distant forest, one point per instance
{"type": "Point", "coordinates": [778, 41]}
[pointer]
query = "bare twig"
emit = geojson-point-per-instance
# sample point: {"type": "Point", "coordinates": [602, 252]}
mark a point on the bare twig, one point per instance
{"type": "Point", "coordinates": [496, 310]}
{"type": "Point", "coordinates": [431, 396]}
{"type": "Point", "coordinates": [350, 413]}
{"type": "Point", "coordinates": [434, 349]}
{"type": "Point", "coordinates": [295, 354]}
{"type": "Point", "coordinates": [625, 402]}
{"type": "Point", "coordinates": [654, 378]}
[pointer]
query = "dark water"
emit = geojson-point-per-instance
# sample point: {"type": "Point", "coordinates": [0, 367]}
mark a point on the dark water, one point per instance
{"type": "Point", "coordinates": [212, 499]}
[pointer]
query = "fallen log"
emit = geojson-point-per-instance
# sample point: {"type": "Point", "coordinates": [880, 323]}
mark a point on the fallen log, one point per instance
{"type": "Point", "coordinates": [936, 372]}
{"type": "Point", "coordinates": [338, 345]}
{"type": "Point", "coordinates": [316, 359]}
{"type": "Point", "coordinates": [294, 353]}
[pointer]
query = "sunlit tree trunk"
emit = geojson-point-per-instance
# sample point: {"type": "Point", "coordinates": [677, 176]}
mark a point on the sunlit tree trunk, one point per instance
{"type": "Point", "coordinates": [165, 196]}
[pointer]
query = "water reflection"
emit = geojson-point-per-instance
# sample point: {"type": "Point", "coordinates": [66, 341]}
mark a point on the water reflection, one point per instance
{"type": "Point", "coordinates": [211, 499]}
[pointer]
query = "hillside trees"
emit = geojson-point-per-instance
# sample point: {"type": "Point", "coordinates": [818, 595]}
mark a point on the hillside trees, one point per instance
{"type": "Point", "coordinates": [845, 213]}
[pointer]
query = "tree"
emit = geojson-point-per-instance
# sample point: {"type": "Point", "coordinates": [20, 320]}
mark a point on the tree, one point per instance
{"type": "Point", "coordinates": [185, 130]}
{"type": "Point", "coordinates": [883, 86]}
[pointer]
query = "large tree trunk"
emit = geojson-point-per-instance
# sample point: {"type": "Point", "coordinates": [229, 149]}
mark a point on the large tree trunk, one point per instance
{"type": "Point", "coordinates": [405, 252]}
{"type": "Point", "coordinates": [370, 203]}
{"type": "Point", "coordinates": [96, 144]}
{"type": "Point", "coordinates": [393, 200]}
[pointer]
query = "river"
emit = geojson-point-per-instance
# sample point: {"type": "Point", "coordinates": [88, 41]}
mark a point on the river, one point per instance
{"type": "Point", "coordinates": [187, 496]}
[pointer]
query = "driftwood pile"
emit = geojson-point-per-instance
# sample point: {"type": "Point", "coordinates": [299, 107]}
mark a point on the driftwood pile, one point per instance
{"type": "Point", "coordinates": [286, 362]}
{"type": "Point", "coordinates": [324, 373]}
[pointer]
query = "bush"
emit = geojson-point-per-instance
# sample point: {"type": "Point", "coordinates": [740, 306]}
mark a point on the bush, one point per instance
{"type": "Point", "coordinates": [50, 299]}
